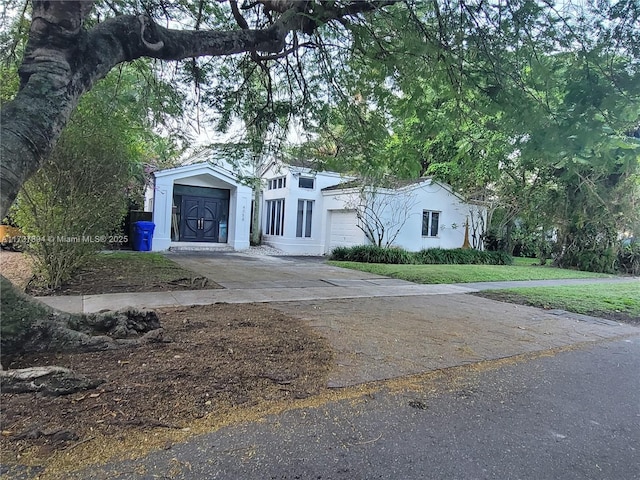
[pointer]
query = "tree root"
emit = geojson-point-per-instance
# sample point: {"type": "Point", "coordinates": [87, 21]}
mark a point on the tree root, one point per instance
{"type": "Point", "coordinates": [29, 326]}
{"type": "Point", "coordinates": [63, 332]}
{"type": "Point", "coordinates": [50, 381]}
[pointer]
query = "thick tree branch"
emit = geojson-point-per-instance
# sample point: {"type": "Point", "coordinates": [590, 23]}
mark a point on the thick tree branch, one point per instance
{"type": "Point", "coordinates": [63, 61]}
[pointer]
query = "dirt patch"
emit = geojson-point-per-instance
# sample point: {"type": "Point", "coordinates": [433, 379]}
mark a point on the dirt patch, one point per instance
{"type": "Point", "coordinates": [16, 267]}
{"type": "Point", "coordinates": [521, 300]}
{"type": "Point", "coordinates": [118, 272]}
{"type": "Point", "coordinates": [219, 357]}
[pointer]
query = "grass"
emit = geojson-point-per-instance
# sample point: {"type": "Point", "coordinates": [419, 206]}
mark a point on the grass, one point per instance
{"type": "Point", "coordinates": [611, 300]}
{"type": "Point", "coordinates": [528, 262]}
{"type": "Point", "coordinates": [155, 266]}
{"type": "Point", "coordinates": [468, 273]}
{"type": "Point", "coordinates": [119, 272]}
{"type": "Point", "coordinates": [142, 259]}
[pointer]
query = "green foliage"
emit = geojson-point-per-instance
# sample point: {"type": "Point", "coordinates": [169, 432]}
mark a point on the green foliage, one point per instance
{"type": "Point", "coordinates": [393, 255]}
{"type": "Point", "coordinates": [462, 256]}
{"type": "Point", "coordinates": [516, 112]}
{"type": "Point", "coordinates": [71, 206]}
{"type": "Point", "coordinates": [593, 249]}
{"type": "Point", "coordinates": [531, 242]}
{"type": "Point", "coordinates": [629, 259]}
{"type": "Point", "coordinates": [372, 254]}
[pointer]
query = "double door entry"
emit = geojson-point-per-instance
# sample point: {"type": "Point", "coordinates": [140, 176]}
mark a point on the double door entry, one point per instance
{"type": "Point", "coordinates": [201, 218]}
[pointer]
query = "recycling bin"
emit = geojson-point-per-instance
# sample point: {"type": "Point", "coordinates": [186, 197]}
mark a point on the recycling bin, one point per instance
{"type": "Point", "coordinates": [142, 235]}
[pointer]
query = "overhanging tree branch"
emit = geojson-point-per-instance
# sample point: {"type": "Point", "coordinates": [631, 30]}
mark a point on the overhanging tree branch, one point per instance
{"type": "Point", "coordinates": [63, 60]}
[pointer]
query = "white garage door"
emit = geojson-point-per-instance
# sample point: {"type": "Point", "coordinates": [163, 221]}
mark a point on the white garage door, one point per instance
{"type": "Point", "coordinates": [344, 229]}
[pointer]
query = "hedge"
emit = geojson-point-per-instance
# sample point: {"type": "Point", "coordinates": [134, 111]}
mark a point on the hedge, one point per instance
{"type": "Point", "coordinates": [394, 255]}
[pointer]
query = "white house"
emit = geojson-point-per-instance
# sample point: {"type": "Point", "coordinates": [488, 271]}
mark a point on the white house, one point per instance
{"type": "Point", "coordinates": [304, 211]}
{"type": "Point", "coordinates": [414, 215]}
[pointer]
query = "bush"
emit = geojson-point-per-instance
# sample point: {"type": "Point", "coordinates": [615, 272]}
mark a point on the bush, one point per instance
{"type": "Point", "coordinates": [374, 254]}
{"type": "Point", "coordinates": [629, 258]}
{"type": "Point", "coordinates": [591, 248]}
{"type": "Point", "coordinates": [78, 198]}
{"type": "Point", "coordinates": [460, 256]}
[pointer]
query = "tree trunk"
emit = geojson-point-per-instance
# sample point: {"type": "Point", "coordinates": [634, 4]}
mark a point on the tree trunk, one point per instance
{"type": "Point", "coordinates": [256, 230]}
{"type": "Point", "coordinates": [63, 59]}
{"type": "Point", "coordinates": [508, 237]}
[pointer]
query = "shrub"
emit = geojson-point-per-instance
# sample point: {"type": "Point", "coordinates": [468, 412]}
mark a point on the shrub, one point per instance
{"type": "Point", "coordinates": [629, 258]}
{"type": "Point", "coordinates": [500, 258]}
{"type": "Point", "coordinates": [460, 256]}
{"type": "Point", "coordinates": [597, 260]}
{"type": "Point", "coordinates": [374, 254]}
{"type": "Point", "coordinates": [79, 197]}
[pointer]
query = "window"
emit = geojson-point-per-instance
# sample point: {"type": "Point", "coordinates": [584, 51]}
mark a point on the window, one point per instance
{"type": "Point", "coordinates": [306, 182]}
{"type": "Point", "coordinates": [430, 222]}
{"type": "Point", "coordinates": [275, 217]}
{"type": "Point", "coordinates": [305, 211]}
{"type": "Point", "coordinates": [274, 183]}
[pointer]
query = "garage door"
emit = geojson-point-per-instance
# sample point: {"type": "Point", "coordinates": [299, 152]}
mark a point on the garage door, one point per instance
{"type": "Point", "coordinates": [344, 229]}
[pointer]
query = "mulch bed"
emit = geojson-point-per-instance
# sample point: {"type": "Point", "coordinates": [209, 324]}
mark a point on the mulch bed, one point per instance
{"type": "Point", "coordinates": [219, 356]}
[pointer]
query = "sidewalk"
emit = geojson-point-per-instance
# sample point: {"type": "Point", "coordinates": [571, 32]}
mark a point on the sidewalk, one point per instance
{"type": "Point", "coordinates": [292, 291]}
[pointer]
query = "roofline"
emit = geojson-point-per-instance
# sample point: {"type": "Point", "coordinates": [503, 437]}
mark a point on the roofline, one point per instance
{"type": "Point", "coordinates": [412, 186]}
{"type": "Point", "coordinates": [197, 166]}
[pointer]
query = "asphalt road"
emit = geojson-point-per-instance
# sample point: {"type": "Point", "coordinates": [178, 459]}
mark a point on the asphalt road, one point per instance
{"type": "Point", "coordinates": [573, 415]}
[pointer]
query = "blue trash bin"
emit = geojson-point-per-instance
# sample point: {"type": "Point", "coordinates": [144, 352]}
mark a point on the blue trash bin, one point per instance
{"type": "Point", "coordinates": [142, 235]}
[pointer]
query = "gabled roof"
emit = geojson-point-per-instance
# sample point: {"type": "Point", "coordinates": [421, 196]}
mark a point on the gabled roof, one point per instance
{"type": "Point", "coordinates": [193, 169]}
{"type": "Point", "coordinates": [395, 184]}
{"type": "Point", "coordinates": [399, 185]}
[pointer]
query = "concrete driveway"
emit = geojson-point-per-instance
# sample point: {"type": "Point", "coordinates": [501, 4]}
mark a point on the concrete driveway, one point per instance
{"type": "Point", "coordinates": [244, 271]}
{"type": "Point", "coordinates": [416, 328]}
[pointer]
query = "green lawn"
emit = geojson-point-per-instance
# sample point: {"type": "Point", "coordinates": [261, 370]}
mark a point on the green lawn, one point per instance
{"type": "Point", "coordinates": [467, 273]}
{"type": "Point", "coordinates": [131, 272]}
{"type": "Point", "coordinates": [527, 262]}
{"type": "Point", "coordinates": [142, 259]}
{"type": "Point", "coordinates": [611, 300]}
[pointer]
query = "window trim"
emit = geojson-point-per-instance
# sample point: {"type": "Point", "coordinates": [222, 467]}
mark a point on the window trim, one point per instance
{"type": "Point", "coordinates": [304, 218]}
{"type": "Point", "coordinates": [277, 183]}
{"type": "Point", "coordinates": [313, 183]}
{"type": "Point", "coordinates": [430, 216]}
{"type": "Point", "coordinates": [275, 217]}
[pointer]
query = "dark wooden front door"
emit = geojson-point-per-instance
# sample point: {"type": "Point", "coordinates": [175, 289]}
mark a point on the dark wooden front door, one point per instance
{"type": "Point", "coordinates": [200, 220]}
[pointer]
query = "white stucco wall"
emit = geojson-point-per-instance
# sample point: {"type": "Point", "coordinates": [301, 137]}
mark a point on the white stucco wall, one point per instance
{"type": "Point", "coordinates": [200, 175]}
{"type": "Point", "coordinates": [453, 212]}
{"type": "Point", "coordinates": [413, 200]}
{"type": "Point", "coordinates": [288, 242]}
